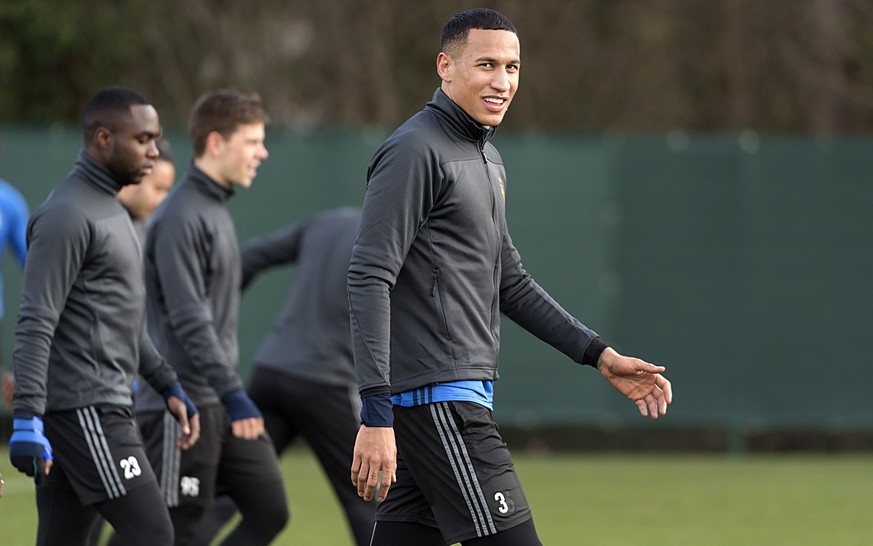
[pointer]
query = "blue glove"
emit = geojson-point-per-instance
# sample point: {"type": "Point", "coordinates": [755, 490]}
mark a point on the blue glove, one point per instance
{"type": "Point", "coordinates": [29, 449]}
{"type": "Point", "coordinates": [239, 406]}
{"type": "Point", "coordinates": [175, 389]}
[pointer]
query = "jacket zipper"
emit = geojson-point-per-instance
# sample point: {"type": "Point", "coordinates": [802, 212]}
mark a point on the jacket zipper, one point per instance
{"type": "Point", "coordinates": [434, 286]}
{"type": "Point", "coordinates": [495, 281]}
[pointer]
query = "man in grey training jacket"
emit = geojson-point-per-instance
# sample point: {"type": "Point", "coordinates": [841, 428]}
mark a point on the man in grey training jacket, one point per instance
{"type": "Point", "coordinates": [193, 277]}
{"type": "Point", "coordinates": [304, 375]}
{"type": "Point", "coordinates": [433, 268]}
{"type": "Point", "coordinates": [80, 342]}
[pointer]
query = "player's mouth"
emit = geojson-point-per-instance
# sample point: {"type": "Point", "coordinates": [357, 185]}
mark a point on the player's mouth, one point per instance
{"type": "Point", "coordinates": [495, 104]}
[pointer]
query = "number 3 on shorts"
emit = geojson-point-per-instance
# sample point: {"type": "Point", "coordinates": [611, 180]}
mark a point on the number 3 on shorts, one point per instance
{"type": "Point", "coordinates": [501, 501]}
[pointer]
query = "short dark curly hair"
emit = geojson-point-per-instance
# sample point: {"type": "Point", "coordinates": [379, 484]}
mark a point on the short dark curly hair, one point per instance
{"type": "Point", "coordinates": [457, 28]}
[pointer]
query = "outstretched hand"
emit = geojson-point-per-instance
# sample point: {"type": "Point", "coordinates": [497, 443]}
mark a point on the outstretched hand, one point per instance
{"type": "Point", "coordinates": [641, 382]}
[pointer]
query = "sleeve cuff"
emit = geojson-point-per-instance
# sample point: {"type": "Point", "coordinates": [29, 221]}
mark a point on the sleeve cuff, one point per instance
{"type": "Point", "coordinates": [593, 352]}
{"type": "Point", "coordinates": [377, 411]}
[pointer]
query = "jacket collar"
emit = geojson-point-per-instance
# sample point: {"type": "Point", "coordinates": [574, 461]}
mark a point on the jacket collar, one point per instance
{"type": "Point", "coordinates": [205, 184]}
{"type": "Point", "coordinates": [457, 119]}
{"type": "Point", "coordinates": [96, 174]}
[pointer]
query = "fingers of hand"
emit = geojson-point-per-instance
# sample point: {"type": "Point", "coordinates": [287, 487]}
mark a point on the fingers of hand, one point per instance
{"type": "Point", "coordinates": [248, 429]}
{"type": "Point", "coordinates": [652, 403]}
{"type": "Point", "coordinates": [367, 480]}
{"type": "Point", "coordinates": [387, 479]}
{"type": "Point", "coordinates": [666, 387]}
{"type": "Point", "coordinates": [356, 467]}
{"type": "Point", "coordinates": [187, 440]}
{"type": "Point", "coordinates": [641, 405]}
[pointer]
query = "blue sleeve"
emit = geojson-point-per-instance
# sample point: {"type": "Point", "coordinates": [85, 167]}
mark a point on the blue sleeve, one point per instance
{"type": "Point", "coordinates": [16, 214]}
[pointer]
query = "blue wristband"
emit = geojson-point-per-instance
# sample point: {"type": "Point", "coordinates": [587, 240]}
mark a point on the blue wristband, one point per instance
{"type": "Point", "coordinates": [377, 411]}
{"type": "Point", "coordinates": [175, 389]}
{"type": "Point", "coordinates": [239, 406]}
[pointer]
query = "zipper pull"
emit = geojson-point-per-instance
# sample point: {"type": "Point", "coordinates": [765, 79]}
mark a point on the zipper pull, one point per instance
{"type": "Point", "coordinates": [434, 286]}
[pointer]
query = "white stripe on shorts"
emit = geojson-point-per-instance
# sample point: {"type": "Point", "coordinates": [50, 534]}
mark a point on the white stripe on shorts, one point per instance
{"type": "Point", "coordinates": [462, 466]}
{"type": "Point", "coordinates": [170, 455]}
{"type": "Point", "coordinates": [89, 420]}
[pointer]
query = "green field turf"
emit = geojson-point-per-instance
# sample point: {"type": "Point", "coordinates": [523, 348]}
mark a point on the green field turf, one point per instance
{"type": "Point", "coordinates": [608, 500]}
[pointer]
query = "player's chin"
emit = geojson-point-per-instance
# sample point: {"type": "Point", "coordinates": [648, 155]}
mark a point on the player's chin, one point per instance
{"type": "Point", "coordinates": [492, 120]}
{"type": "Point", "coordinates": [134, 178]}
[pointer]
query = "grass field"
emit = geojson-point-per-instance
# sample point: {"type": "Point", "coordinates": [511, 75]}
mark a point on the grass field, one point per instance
{"type": "Point", "coordinates": [608, 500]}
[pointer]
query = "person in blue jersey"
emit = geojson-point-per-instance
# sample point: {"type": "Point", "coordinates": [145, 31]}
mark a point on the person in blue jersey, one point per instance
{"type": "Point", "coordinates": [80, 340]}
{"type": "Point", "coordinates": [14, 214]}
{"type": "Point", "coordinates": [13, 222]}
{"type": "Point", "coordinates": [433, 268]}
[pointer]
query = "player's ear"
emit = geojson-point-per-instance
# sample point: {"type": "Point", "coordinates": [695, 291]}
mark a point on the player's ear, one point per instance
{"type": "Point", "coordinates": [445, 65]}
{"type": "Point", "coordinates": [214, 143]}
{"type": "Point", "coordinates": [103, 138]}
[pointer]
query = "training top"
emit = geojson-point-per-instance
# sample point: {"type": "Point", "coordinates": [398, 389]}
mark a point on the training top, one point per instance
{"type": "Point", "coordinates": [80, 338]}
{"type": "Point", "coordinates": [13, 226]}
{"type": "Point", "coordinates": [193, 278]}
{"type": "Point", "coordinates": [434, 265]}
{"type": "Point", "coordinates": [310, 338]}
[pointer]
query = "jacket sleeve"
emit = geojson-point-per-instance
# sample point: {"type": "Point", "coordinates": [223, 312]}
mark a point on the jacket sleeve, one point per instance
{"type": "Point", "coordinates": [277, 248]}
{"type": "Point", "coordinates": [531, 307]}
{"type": "Point", "coordinates": [58, 242]}
{"type": "Point", "coordinates": [404, 180]}
{"type": "Point", "coordinates": [181, 257]}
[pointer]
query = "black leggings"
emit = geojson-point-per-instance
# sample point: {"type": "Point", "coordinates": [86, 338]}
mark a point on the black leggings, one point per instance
{"type": "Point", "coordinates": [392, 533]}
{"type": "Point", "coordinates": [63, 520]}
{"type": "Point", "coordinates": [264, 513]}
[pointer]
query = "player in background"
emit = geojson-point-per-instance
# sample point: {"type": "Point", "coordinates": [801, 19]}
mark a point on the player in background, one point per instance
{"type": "Point", "coordinates": [14, 214]}
{"type": "Point", "coordinates": [142, 199]}
{"type": "Point", "coordinates": [304, 373]}
{"type": "Point", "coordinates": [193, 278]}
{"type": "Point", "coordinates": [13, 224]}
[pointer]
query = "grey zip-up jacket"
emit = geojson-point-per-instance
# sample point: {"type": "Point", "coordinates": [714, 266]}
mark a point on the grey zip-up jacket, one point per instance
{"type": "Point", "coordinates": [434, 265]}
{"type": "Point", "coordinates": [192, 273]}
{"type": "Point", "coordinates": [80, 338]}
{"type": "Point", "coordinates": [310, 338]}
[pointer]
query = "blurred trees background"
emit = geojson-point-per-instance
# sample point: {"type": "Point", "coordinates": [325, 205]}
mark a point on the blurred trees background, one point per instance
{"type": "Point", "coordinates": [776, 66]}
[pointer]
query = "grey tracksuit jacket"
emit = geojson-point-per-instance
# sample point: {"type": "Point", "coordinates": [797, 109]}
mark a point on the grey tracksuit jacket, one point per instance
{"type": "Point", "coordinates": [80, 338]}
{"type": "Point", "coordinates": [310, 338]}
{"type": "Point", "coordinates": [434, 265]}
{"type": "Point", "coordinates": [192, 274]}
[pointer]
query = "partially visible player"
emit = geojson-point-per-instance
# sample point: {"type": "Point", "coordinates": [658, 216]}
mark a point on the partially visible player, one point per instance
{"type": "Point", "coordinates": [193, 277]}
{"type": "Point", "coordinates": [81, 339]}
{"type": "Point", "coordinates": [142, 199]}
{"type": "Point", "coordinates": [304, 374]}
{"type": "Point", "coordinates": [14, 214]}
